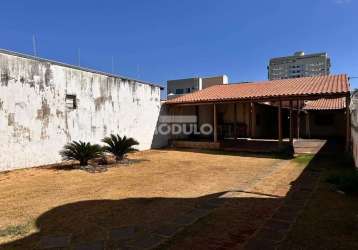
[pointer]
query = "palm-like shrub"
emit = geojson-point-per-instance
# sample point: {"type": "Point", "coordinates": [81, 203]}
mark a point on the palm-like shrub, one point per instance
{"type": "Point", "coordinates": [81, 151]}
{"type": "Point", "coordinates": [119, 146]}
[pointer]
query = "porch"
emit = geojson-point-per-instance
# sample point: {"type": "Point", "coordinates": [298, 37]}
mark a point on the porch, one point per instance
{"type": "Point", "coordinates": [300, 146]}
{"type": "Point", "coordinates": [270, 126]}
{"type": "Point", "coordinates": [258, 116]}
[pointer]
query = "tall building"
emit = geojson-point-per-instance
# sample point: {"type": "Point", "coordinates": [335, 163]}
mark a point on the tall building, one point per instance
{"type": "Point", "coordinates": [299, 65]}
{"type": "Point", "coordinates": [184, 86]}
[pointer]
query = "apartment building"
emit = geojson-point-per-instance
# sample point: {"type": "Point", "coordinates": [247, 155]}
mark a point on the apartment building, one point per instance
{"type": "Point", "coordinates": [184, 86]}
{"type": "Point", "coordinates": [299, 65]}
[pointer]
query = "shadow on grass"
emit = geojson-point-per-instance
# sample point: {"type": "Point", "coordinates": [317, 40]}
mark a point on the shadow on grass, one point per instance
{"type": "Point", "coordinates": [329, 220]}
{"type": "Point", "coordinates": [282, 156]}
{"type": "Point", "coordinates": [231, 221]}
{"type": "Point", "coordinates": [98, 220]}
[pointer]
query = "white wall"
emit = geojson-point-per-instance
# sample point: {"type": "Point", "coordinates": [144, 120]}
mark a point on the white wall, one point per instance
{"type": "Point", "coordinates": [34, 120]}
{"type": "Point", "coordinates": [354, 127]}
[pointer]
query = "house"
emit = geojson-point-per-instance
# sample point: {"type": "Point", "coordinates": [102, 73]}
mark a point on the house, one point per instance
{"type": "Point", "coordinates": [273, 110]}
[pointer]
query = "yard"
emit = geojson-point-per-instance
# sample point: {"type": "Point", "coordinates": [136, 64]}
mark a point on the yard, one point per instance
{"type": "Point", "coordinates": [178, 199]}
{"type": "Point", "coordinates": [156, 188]}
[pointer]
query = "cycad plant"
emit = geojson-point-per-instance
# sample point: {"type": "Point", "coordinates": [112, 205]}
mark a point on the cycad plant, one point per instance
{"type": "Point", "coordinates": [81, 151]}
{"type": "Point", "coordinates": [119, 146]}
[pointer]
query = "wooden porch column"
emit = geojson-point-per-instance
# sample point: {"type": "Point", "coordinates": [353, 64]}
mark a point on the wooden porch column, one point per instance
{"type": "Point", "coordinates": [235, 120]}
{"type": "Point", "coordinates": [279, 124]}
{"type": "Point", "coordinates": [298, 119]}
{"type": "Point", "coordinates": [348, 124]}
{"type": "Point", "coordinates": [197, 117]}
{"type": "Point", "coordinates": [250, 120]}
{"type": "Point", "coordinates": [253, 120]}
{"type": "Point", "coordinates": [308, 129]}
{"type": "Point", "coordinates": [291, 123]}
{"type": "Point", "coordinates": [215, 125]}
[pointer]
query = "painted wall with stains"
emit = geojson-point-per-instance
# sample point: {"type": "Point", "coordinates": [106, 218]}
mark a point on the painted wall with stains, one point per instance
{"type": "Point", "coordinates": [36, 119]}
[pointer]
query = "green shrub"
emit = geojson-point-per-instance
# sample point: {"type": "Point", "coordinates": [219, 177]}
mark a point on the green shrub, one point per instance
{"type": "Point", "coordinates": [81, 151]}
{"type": "Point", "coordinates": [304, 159]}
{"type": "Point", "coordinates": [119, 146]}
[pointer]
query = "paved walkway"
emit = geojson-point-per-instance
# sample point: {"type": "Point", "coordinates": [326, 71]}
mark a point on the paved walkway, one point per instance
{"type": "Point", "coordinates": [308, 146]}
{"type": "Point", "coordinates": [276, 228]}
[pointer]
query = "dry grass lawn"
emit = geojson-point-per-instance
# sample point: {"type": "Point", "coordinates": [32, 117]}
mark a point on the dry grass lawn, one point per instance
{"type": "Point", "coordinates": [160, 185]}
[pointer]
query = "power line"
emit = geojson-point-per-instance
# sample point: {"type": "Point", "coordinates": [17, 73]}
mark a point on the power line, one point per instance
{"type": "Point", "coordinates": [112, 65]}
{"type": "Point", "coordinates": [79, 56]}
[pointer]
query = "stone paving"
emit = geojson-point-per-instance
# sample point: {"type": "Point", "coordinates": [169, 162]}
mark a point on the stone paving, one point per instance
{"type": "Point", "coordinates": [276, 228]}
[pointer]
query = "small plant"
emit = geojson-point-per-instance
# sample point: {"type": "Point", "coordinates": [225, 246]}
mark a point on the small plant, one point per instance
{"type": "Point", "coordinates": [119, 146]}
{"type": "Point", "coordinates": [304, 159]}
{"type": "Point", "coordinates": [81, 151]}
{"type": "Point", "coordinates": [15, 230]}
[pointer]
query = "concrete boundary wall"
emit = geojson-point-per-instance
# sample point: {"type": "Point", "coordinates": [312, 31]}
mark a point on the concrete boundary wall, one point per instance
{"type": "Point", "coordinates": [354, 127]}
{"type": "Point", "coordinates": [44, 105]}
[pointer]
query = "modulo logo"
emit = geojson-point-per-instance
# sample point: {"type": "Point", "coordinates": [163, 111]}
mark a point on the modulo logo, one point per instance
{"type": "Point", "coordinates": [182, 125]}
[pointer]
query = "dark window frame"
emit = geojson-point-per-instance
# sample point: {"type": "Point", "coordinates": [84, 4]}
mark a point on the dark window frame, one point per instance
{"type": "Point", "coordinates": [71, 101]}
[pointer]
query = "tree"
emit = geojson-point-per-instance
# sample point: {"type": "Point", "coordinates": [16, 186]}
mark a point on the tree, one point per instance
{"type": "Point", "coordinates": [81, 151]}
{"type": "Point", "coordinates": [119, 146]}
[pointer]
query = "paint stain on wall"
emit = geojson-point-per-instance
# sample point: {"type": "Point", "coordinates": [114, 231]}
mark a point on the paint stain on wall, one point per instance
{"type": "Point", "coordinates": [21, 105]}
{"type": "Point", "coordinates": [11, 119]}
{"type": "Point", "coordinates": [59, 113]}
{"type": "Point", "coordinates": [5, 78]}
{"type": "Point", "coordinates": [43, 115]}
{"type": "Point", "coordinates": [48, 75]}
{"type": "Point", "coordinates": [21, 132]}
{"type": "Point", "coordinates": [45, 111]}
{"type": "Point", "coordinates": [100, 101]}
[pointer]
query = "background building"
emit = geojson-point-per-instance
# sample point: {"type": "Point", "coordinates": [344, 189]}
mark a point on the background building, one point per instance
{"type": "Point", "coordinates": [184, 86]}
{"type": "Point", "coordinates": [299, 65]}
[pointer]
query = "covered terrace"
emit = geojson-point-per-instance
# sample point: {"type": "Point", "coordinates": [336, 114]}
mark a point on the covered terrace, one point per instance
{"type": "Point", "coordinates": [263, 116]}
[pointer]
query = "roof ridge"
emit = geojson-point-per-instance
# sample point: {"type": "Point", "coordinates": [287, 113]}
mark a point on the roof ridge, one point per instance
{"type": "Point", "coordinates": [317, 85]}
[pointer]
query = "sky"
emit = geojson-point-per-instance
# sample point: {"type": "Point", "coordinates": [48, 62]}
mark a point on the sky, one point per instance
{"type": "Point", "coordinates": [159, 40]}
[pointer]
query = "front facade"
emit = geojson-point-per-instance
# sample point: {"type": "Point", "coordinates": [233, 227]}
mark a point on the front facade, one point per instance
{"type": "Point", "coordinates": [183, 86]}
{"type": "Point", "coordinates": [45, 104]}
{"type": "Point", "coordinates": [270, 111]}
{"type": "Point", "coordinates": [299, 65]}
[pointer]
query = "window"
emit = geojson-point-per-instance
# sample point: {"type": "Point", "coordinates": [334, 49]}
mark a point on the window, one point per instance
{"type": "Point", "coordinates": [188, 90]}
{"type": "Point", "coordinates": [71, 102]}
{"type": "Point", "coordinates": [179, 91]}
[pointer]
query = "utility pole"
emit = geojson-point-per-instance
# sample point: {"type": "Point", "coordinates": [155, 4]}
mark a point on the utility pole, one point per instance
{"type": "Point", "coordinates": [112, 65]}
{"type": "Point", "coordinates": [138, 71]}
{"type": "Point", "coordinates": [34, 44]}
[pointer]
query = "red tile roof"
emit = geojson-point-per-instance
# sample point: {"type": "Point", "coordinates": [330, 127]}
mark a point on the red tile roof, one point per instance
{"type": "Point", "coordinates": [295, 87]}
{"type": "Point", "coordinates": [326, 104]}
